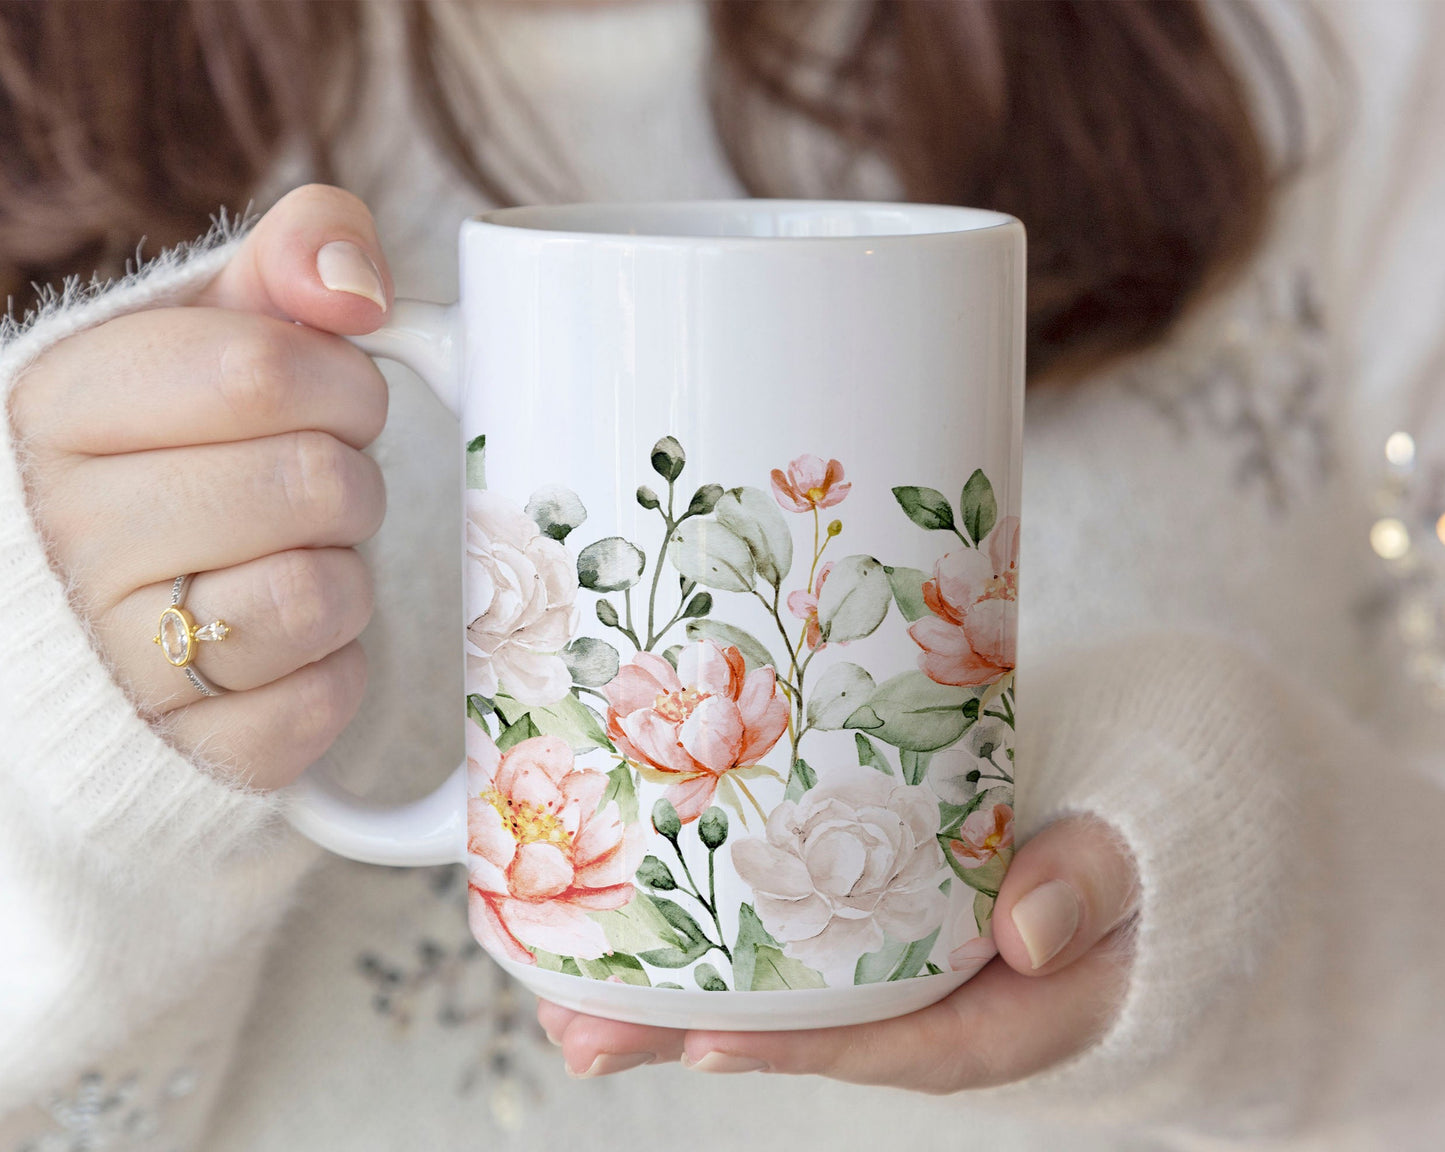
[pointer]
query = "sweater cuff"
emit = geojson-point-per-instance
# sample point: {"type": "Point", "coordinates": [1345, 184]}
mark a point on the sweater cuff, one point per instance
{"type": "Point", "coordinates": [1174, 742]}
{"type": "Point", "coordinates": [74, 742]}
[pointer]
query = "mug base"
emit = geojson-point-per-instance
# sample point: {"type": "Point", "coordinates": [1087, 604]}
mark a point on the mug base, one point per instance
{"type": "Point", "coordinates": [781, 1011]}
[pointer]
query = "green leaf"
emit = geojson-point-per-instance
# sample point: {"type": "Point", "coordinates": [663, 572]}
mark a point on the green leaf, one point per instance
{"type": "Point", "coordinates": [712, 828]}
{"type": "Point", "coordinates": [607, 613]}
{"type": "Point", "coordinates": [610, 565]}
{"type": "Point", "coordinates": [514, 734]}
{"type": "Point", "coordinates": [952, 816]}
{"type": "Point", "coordinates": [854, 600]}
{"type": "Point", "coordinates": [592, 662]}
{"type": "Point", "coordinates": [626, 968]}
{"type": "Point", "coordinates": [668, 458]}
{"type": "Point", "coordinates": [715, 556]}
{"type": "Point", "coordinates": [694, 942]}
{"type": "Point", "coordinates": [704, 500]}
{"type": "Point", "coordinates": [759, 964]}
{"type": "Point", "coordinates": [648, 498]}
{"type": "Point", "coordinates": [671, 653]}
{"type": "Point", "coordinates": [665, 819]}
{"type": "Point", "coordinates": [983, 912]}
{"type": "Point", "coordinates": [699, 605]}
{"type": "Point", "coordinates": [926, 507]}
{"type": "Point", "coordinates": [638, 926]}
{"type": "Point", "coordinates": [911, 711]}
{"type": "Point", "coordinates": [914, 764]}
{"type": "Point", "coordinates": [839, 692]}
{"type": "Point", "coordinates": [907, 587]}
{"type": "Point", "coordinates": [569, 967]}
{"type": "Point", "coordinates": [709, 979]}
{"type": "Point", "coordinates": [569, 718]}
{"type": "Point", "coordinates": [556, 510]}
{"type": "Point", "coordinates": [932, 969]}
{"type": "Point", "coordinates": [978, 506]}
{"type": "Point", "coordinates": [477, 462]}
{"type": "Point", "coordinates": [620, 787]}
{"type": "Point", "coordinates": [800, 779]}
{"type": "Point", "coordinates": [869, 756]}
{"type": "Point", "coordinates": [668, 984]}
{"type": "Point", "coordinates": [753, 652]}
{"type": "Point", "coordinates": [896, 960]}
{"type": "Point", "coordinates": [478, 709]}
{"type": "Point", "coordinates": [754, 517]}
{"type": "Point", "coordinates": [655, 874]}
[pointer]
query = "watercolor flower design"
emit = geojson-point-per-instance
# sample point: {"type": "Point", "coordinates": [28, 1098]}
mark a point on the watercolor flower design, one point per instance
{"type": "Point", "coordinates": [691, 725]}
{"type": "Point", "coordinates": [852, 861]}
{"type": "Point", "coordinates": [982, 836]}
{"type": "Point", "coordinates": [972, 635]}
{"type": "Point", "coordinates": [810, 484]}
{"type": "Point", "coordinates": [521, 592]}
{"type": "Point", "coordinates": [543, 850]}
{"type": "Point", "coordinates": [604, 764]}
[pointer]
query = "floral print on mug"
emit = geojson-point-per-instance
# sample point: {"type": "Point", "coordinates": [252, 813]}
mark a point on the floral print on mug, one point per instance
{"type": "Point", "coordinates": [657, 793]}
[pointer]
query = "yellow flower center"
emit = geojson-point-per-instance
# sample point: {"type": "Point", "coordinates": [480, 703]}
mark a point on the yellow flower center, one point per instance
{"type": "Point", "coordinates": [991, 841]}
{"type": "Point", "coordinates": [815, 495]}
{"type": "Point", "coordinates": [678, 706]}
{"type": "Point", "coordinates": [1005, 587]}
{"type": "Point", "coordinates": [529, 823]}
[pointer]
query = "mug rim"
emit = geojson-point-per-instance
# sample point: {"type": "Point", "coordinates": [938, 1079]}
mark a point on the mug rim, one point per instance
{"type": "Point", "coordinates": [575, 221]}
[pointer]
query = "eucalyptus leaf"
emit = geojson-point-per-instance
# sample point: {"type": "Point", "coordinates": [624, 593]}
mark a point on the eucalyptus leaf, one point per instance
{"type": "Point", "coordinates": [911, 711]}
{"type": "Point", "coordinates": [638, 926]}
{"type": "Point", "coordinates": [759, 964]}
{"type": "Point", "coordinates": [694, 942]}
{"type": "Point", "coordinates": [978, 506]}
{"type": "Point", "coordinates": [753, 652]}
{"type": "Point", "coordinates": [854, 600]}
{"type": "Point", "coordinates": [709, 979]}
{"type": "Point", "coordinates": [647, 497]}
{"type": "Point", "coordinates": [655, 874]}
{"type": "Point", "coordinates": [896, 960]}
{"type": "Point", "coordinates": [610, 565]}
{"type": "Point", "coordinates": [556, 510]}
{"type": "Point", "coordinates": [869, 756]}
{"type": "Point", "coordinates": [615, 965]}
{"type": "Point", "coordinates": [754, 516]}
{"type": "Point", "coordinates": [926, 507]}
{"type": "Point", "coordinates": [592, 662]}
{"type": "Point", "coordinates": [607, 613]}
{"type": "Point", "coordinates": [713, 555]}
{"type": "Point", "coordinates": [704, 500]}
{"type": "Point", "coordinates": [907, 587]}
{"type": "Point", "coordinates": [699, 605]}
{"type": "Point", "coordinates": [839, 692]}
{"type": "Point", "coordinates": [800, 779]}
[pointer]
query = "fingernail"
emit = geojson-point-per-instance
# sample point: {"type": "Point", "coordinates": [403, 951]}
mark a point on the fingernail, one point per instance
{"type": "Point", "coordinates": [724, 1062]}
{"type": "Point", "coordinates": [343, 267]}
{"type": "Point", "coordinates": [609, 1062]}
{"type": "Point", "coordinates": [1047, 919]}
{"type": "Point", "coordinates": [557, 1040]}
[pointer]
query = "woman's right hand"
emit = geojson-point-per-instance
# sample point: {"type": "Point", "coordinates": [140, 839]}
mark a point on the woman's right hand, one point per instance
{"type": "Point", "coordinates": [225, 439]}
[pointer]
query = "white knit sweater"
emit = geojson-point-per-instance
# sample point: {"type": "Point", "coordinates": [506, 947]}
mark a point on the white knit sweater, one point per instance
{"type": "Point", "coordinates": [1207, 662]}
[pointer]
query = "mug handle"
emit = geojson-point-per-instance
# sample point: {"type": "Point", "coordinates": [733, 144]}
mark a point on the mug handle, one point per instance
{"type": "Point", "coordinates": [433, 829]}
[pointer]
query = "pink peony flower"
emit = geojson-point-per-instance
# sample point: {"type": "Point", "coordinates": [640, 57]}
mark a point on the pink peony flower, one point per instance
{"type": "Point", "coordinates": [983, 835]}
{"type": "Point", "coordinates": [972, 636]}
{"type": "Point", "coordinates": [692, 726]}
{"type": "Point", "coordinates": [804, 605]}
{"type": "Point", "coordinates": [810, 484]}
{"type": "Point", "coordinates": [539, 852]}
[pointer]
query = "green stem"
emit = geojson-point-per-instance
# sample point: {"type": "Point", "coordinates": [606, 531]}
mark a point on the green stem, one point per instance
{"type": "Point", "coordinates": [668, 524]}
{"type": "Point", "coordinates": [967, 542]}
{"type": "Point", "coordinates": [816, 550]}
{"type": "Point", "coordinates": [696, 894]}
{"type": "Point", "coordinates": [993, 776]}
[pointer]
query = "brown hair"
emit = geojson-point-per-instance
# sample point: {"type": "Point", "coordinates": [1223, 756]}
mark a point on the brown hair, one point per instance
{"type": "Point", "coordinates": [1118, 132]}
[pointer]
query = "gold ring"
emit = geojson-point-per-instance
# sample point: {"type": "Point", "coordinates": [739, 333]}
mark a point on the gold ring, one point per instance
{"type": "Point", "coordinates": [178, 636]}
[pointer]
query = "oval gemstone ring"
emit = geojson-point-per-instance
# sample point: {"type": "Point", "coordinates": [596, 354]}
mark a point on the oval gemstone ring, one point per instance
{"type": "Point", "coordinates": [178, 635]}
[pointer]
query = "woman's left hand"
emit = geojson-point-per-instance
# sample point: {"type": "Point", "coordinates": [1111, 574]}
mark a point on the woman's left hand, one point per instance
{"type": "Point", "coordinates": [1061, 929]}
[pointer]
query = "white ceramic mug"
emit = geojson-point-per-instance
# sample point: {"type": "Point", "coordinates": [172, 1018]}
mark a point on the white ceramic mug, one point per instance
{"type": "Point", "coordinates": [741, 569]}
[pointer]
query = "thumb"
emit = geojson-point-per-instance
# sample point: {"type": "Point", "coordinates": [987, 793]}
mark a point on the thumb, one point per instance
{"type": "Point", "coordinates": [313, 258]}
{"type": "Point", "coordinates": [1067, 888]}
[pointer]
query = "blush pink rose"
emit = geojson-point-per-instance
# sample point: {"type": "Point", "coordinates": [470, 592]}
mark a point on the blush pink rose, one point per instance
{"type": "Point", "coordinates": [804, 605]}
{"type": "Point", "coordinates": [983, 835]}
{"type": "Point", "coordinates": [693, 725]}
{"type": "Point", "coordinates": [539, 852]}
{"type": "Point", "coordinates": [810, 483]}
{"type": "Point", "coordinates": [972, 636]}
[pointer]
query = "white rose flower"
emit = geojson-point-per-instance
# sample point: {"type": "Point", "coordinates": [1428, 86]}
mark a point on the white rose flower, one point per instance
{"type": "Point", "coordinates": [854, 859]}
{"type": "Point", "coordinates": [521, 592]}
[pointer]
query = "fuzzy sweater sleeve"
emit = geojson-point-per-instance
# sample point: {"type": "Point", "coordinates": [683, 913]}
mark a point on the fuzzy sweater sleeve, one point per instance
{"type": "Point", "coordinates": [129, 875]}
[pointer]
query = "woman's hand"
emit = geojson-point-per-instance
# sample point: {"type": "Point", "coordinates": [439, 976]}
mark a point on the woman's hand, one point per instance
{"type": "Point", "coordinates": [225, 439]}
{"type": "Point", "coordinates": [1060, 925]}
